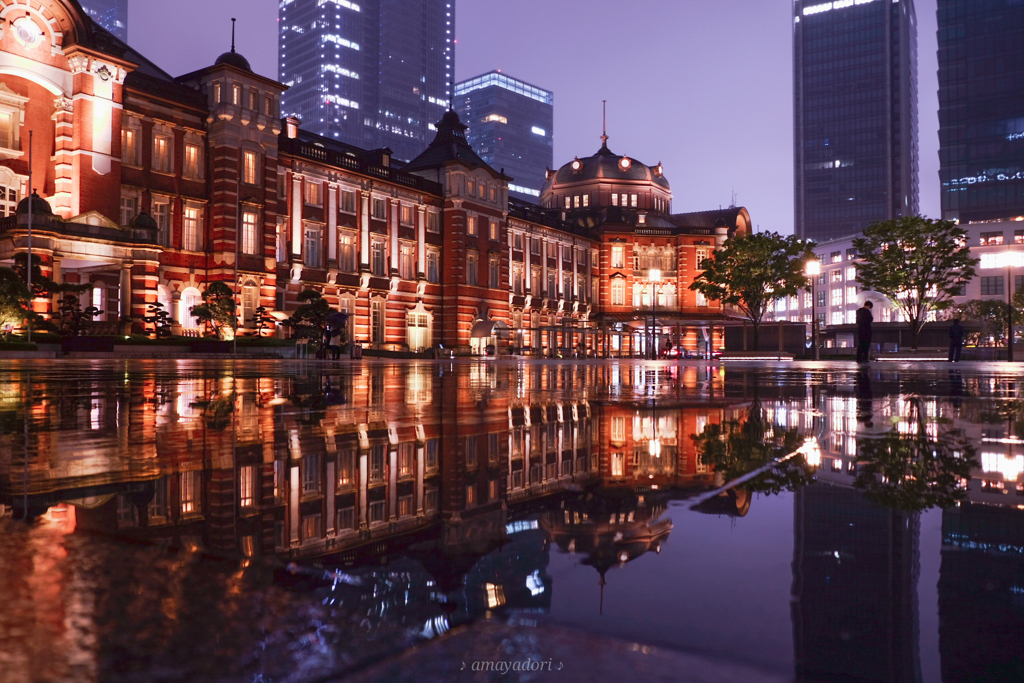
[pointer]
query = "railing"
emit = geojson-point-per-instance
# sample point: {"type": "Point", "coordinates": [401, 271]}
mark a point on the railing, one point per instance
{"type": "Point", "coordinates": [342, 159]}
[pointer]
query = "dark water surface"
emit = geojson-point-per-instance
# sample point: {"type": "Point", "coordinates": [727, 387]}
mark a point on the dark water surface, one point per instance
{"type": "Point", "coordinates": [284, 521]}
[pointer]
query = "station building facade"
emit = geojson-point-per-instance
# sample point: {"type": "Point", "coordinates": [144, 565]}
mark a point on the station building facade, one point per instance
{"type": "Point", "coordinates": [151, 187]}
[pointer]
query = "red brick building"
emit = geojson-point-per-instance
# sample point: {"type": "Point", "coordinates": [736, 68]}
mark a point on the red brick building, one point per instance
{"type": "Point", "coordinates": [156, 186]}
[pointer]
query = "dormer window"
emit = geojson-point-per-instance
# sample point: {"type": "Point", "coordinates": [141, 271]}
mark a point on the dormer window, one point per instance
{"type": "Point", "coordinates": [624, 163]}
{"type": "Point", "coordinates": [577, 165]}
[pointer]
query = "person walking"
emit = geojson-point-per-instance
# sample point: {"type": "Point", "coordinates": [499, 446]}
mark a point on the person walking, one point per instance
{"type": "Point", "coordinates": [956, 340]}
{"type": "Point", "coordinates": [864, 320]}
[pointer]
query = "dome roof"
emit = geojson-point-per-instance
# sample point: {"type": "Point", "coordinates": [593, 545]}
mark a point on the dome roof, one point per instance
{"type": "Point", "coordinates": [143, 221]}
{"type": "Point", "coordinates": [40, 207]}
{"type": "Point", "coordinates": [606, 165]}
{"type": "Point", "coordinates": [234, 59]}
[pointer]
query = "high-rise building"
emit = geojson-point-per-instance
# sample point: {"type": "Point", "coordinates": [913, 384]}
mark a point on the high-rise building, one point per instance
{"type": "Point", "coordinates": [374, 74]}
{"type": "Point", "coordinates": [510, 127]}
{"type": "Point", "coordinates": [855, 115]}
{"type": "Point", "coordinates": [981, 109]}
{"type": "Point", "coordinates": [855, 572]}
{"type": "Point", "coordinates": [110, 14]}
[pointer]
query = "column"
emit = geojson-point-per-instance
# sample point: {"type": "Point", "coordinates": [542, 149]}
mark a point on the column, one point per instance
{"type": "Point", "coordinates": [364, 230]}
{"type": "Point", "coordinates": [125, 291]}
{"type": "Point", "coordinates": [363, 483]}
{"type": "Point", "coordinates": [393, 482]}
{"type": "Point", "coordinates": [393, 234]}
{"type": "Point", "coordinates": [332, 222]}
{"type": "Point", "coordinates": [296, 215]}
{"type": "Point", "coordinates": [329, 489]}
{"type": "Point", "coordinates": [421, 464]}
{"type": "Point", "coordinates": [421, 241]}
{"type": "Point", "coordinates": [293, 505]}
{"type": "Point", "coordinates": [575, 271]}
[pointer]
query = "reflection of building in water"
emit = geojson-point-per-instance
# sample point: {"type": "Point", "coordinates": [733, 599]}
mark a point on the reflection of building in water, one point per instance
{"type": "Point", "coordinates": [981, 594]}
{"type": "Point", "coordinates": [855, 569]}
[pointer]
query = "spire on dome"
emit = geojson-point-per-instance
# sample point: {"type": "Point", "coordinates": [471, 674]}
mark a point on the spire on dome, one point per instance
{"type": "Point", "coordinates": [604, 124]}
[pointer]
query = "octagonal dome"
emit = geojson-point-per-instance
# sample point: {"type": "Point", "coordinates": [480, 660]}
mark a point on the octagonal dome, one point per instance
{"type": "Point", "coordinates": [606, 165]}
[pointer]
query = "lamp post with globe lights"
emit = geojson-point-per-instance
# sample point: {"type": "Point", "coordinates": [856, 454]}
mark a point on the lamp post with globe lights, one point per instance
{"type": "Point", "coordinates": [812, 269]}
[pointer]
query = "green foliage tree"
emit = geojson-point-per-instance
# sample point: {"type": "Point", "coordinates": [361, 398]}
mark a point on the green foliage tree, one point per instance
{"type": "Point", "coordinates": [310, 319]}
{"type": "Point", "coordinates": [918, 263]}
{"type": "Point", "coordinates": [160, 320]}
{"type": "Point", "coordinates": [73, 319]}
{"type": "Point", "coordinates": [218, 310]}
{"type": "Point", "coordinates": [14, 296]}
{"type": "Point", "coordinates": [736, 448]}
{"type": "Point", "coordinates": [990, 315]}
{"type": "Point", "coordinates": [751, 272]}
{"type": "Point", "coordinates": [261, 320]}
{"type": "Point", "coordinates": [910, 470]}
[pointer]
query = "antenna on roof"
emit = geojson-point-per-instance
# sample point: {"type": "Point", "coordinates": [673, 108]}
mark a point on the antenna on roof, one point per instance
{"type": "Point", "coordinates": [232, 34]}
{"type": "Point", "coordinates": [604, 123]}
{"type": "Point", "coordinates": [733, 205]}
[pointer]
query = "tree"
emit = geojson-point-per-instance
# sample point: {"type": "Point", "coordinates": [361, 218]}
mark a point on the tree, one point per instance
{"type": "Point", "coordinates": [751, 272]}
{"type": "Point", "coordinates": [14, 296]}
{"type": "Point", "coordinates": [74, 320]}
{"type": "Point", "coordinates": [918, 263]}
{"type": "Point", "coordinates": [160, 319]}
{"type": "Point", "coordinates": [910, 470]}
{"type": "Point", "coordinates": [218, 310]}
{"type": "Point", "coordinates": [311, 319]}
{"type": "Point", "coordinates": [262, 320]}
{"type": "Point", "coordinates": [990, 315]}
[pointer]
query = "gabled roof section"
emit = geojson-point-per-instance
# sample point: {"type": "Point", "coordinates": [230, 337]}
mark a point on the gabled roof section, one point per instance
{"type": "Point", "coordinates": [449, 147]}
{"type": "Point", "coordinates": [733, 217]}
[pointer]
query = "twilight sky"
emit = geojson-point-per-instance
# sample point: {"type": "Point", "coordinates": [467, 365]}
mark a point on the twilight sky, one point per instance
{"type": "Point", "coordinates": [704, 87]}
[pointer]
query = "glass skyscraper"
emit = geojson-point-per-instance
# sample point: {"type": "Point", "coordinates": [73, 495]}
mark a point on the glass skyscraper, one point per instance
{"type": "Point", "coordinates": [371, 73]}
{"type": "Point", "coordinates": [510, 127]}
{"type": "Point", "coordinates": [855, 115]}
{"type": "Point", "coordinates": [981, 109]}
{"type": "Point", "coordinates": [110, 14]}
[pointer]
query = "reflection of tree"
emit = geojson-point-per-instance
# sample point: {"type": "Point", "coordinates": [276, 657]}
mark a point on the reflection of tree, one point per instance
{"type": "Point", "coordinates": [735, 448]}
{"type": "Point", "coordinates": [914, 471]}
{"type": "Point", "coordinates": [218, 410]}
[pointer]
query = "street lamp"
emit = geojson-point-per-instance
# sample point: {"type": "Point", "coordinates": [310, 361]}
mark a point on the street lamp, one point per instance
{"type": "Point", "coordinates": [654, 278]}
{"type": "Point", "coordinates": [1008, 260]}
{"type": "Point", "coordinates": [812, 269]}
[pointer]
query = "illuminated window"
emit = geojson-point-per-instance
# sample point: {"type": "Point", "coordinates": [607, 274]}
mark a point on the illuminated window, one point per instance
{"type": "Point", "coordinates": [192, 161]}
{"type": "Point", "coordinates": [618, 292]}
{"type": "Point", "coordinates": [471, 187]}
{"type": "Point", "coordinates": [247, 486]}
{"type": "Point", "coordinates": [618, 256]}
{"type": "Point", "coordinates": [313, 196]}
{"type": "Point", "coordinates": [837, 275]}
{"type": "Point", "coordinates": [189, 487]}
{"type": "Point", "coordinates": [216, 92]}
{"type": "Point", "coordinates": [249, 233]}
{"type": "Point", "coordinates": [378, 209]}
{"type": "Point", "coordinates": [160, 210]}
{"type": "Point", "coordinates": [495, 117]}
{"type": "Point", "coordinates": [406, 262]}
{"type": "Point", "coordinates": [433, 266]}
{"type": "Point", "coordinates": [236, 94]}
{"type": "Point", "coordinates": [575, 201]}
{"type": "Point", "coordinates": [615, 199]}
{"type": "Point", "coordinates": [405, 214]}
{"type": "Point", "coordinates": [837, 296]}
{"type": "Point", "coordinates": [254, 99]}
{"type": "Point", "coordinates": [471, 225]}
{"type": "Point", "coordinates": [568, 202]}
{"type": "Point", "coordinates": [472, 269]}
{"type": "Point", "coordinates": [702, 300]}
{"type": "Point", "coordinates": [494, 225]}
{"type": "Point", "coordinates": [313, 241]}
{"type": "Point", "coordinates": [162, 153]}
{"type": "Point", "coordinates": [347, 252]}
{"type": "Point", "coordinates": [991, 239]}
{"type": "Point", "coordinates": [347, 202]}
{"type": "Point", "coordinates": [1018, 236]}
{"type": "Point", "coordinates": [851, 294]}
{"type": "Point", "coordinates": [702, 255]}
{"type": "Point", "coordinates": [494, 273]}
{"type": "Point", "coordinates": [129, 142]}
{"type": "Point", "coordinates": [377, 322]}
{"type": "Point", "coordinates": [835, 257]}
{"type": "Point", "coordinates": [632, 200]}
{"type": "Point", "coordinates": [377, 258]}
{"type": "Point", "coordinates": [433, 222]}
{"type": "Point", "coordinates": [249, 173]}
{"type": "Point", "coordinates": [851, 273]}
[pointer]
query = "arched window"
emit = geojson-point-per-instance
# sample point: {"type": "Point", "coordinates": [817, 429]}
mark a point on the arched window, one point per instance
{"type": "Point", "coordinates": [418, 323]}
{"type": "Point", "coordinates": [190, 297]}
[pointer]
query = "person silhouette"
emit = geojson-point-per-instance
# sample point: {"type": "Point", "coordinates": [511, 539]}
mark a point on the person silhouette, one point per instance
{"type": "Point", "coordinates": [864, 320]}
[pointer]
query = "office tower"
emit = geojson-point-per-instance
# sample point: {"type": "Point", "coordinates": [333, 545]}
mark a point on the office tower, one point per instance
{"type": "Point", "coordinates": [854, 598]}
{"type": "Point", "coordinates": [510, 127]}
{"type": "Point", "coordinates": [110, 14]}
{"type": "Point", "coordinates": [374, 74]}
{"type": "Point", "coordinates": [855, 115]}
{"type": "Point", "coordinates": [981, 109]}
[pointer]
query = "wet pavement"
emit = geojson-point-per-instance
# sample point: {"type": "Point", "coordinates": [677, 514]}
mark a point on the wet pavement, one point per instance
{"type": "Point", "coordinates": [502, 520]}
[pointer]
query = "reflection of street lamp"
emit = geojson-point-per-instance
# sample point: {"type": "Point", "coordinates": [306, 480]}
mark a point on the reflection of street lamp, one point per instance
{"type": "Point", "coordinates": [1008, 260]}
{"type": "Point", "coordinates": [812, 452]}
{"type": "Point", "coordinates": [654, 279]}
{"type": "Point", "coordinates": [811, 269]}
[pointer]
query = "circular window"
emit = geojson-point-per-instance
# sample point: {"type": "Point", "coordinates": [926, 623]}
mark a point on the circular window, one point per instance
{"type": "Point", "coordinates": [577, 165]}
{"type": "Point", "coordinates": [27, 32]}
{"type": "Point", "coordinates": [624, 163]}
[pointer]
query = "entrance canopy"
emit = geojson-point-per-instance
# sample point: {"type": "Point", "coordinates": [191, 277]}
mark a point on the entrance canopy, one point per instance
{"type": "Point", "coordinates": [488, 328]}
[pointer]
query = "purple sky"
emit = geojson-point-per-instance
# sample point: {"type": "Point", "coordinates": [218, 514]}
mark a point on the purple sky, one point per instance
{"type": "Point", "coordinates": [703, 87]}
